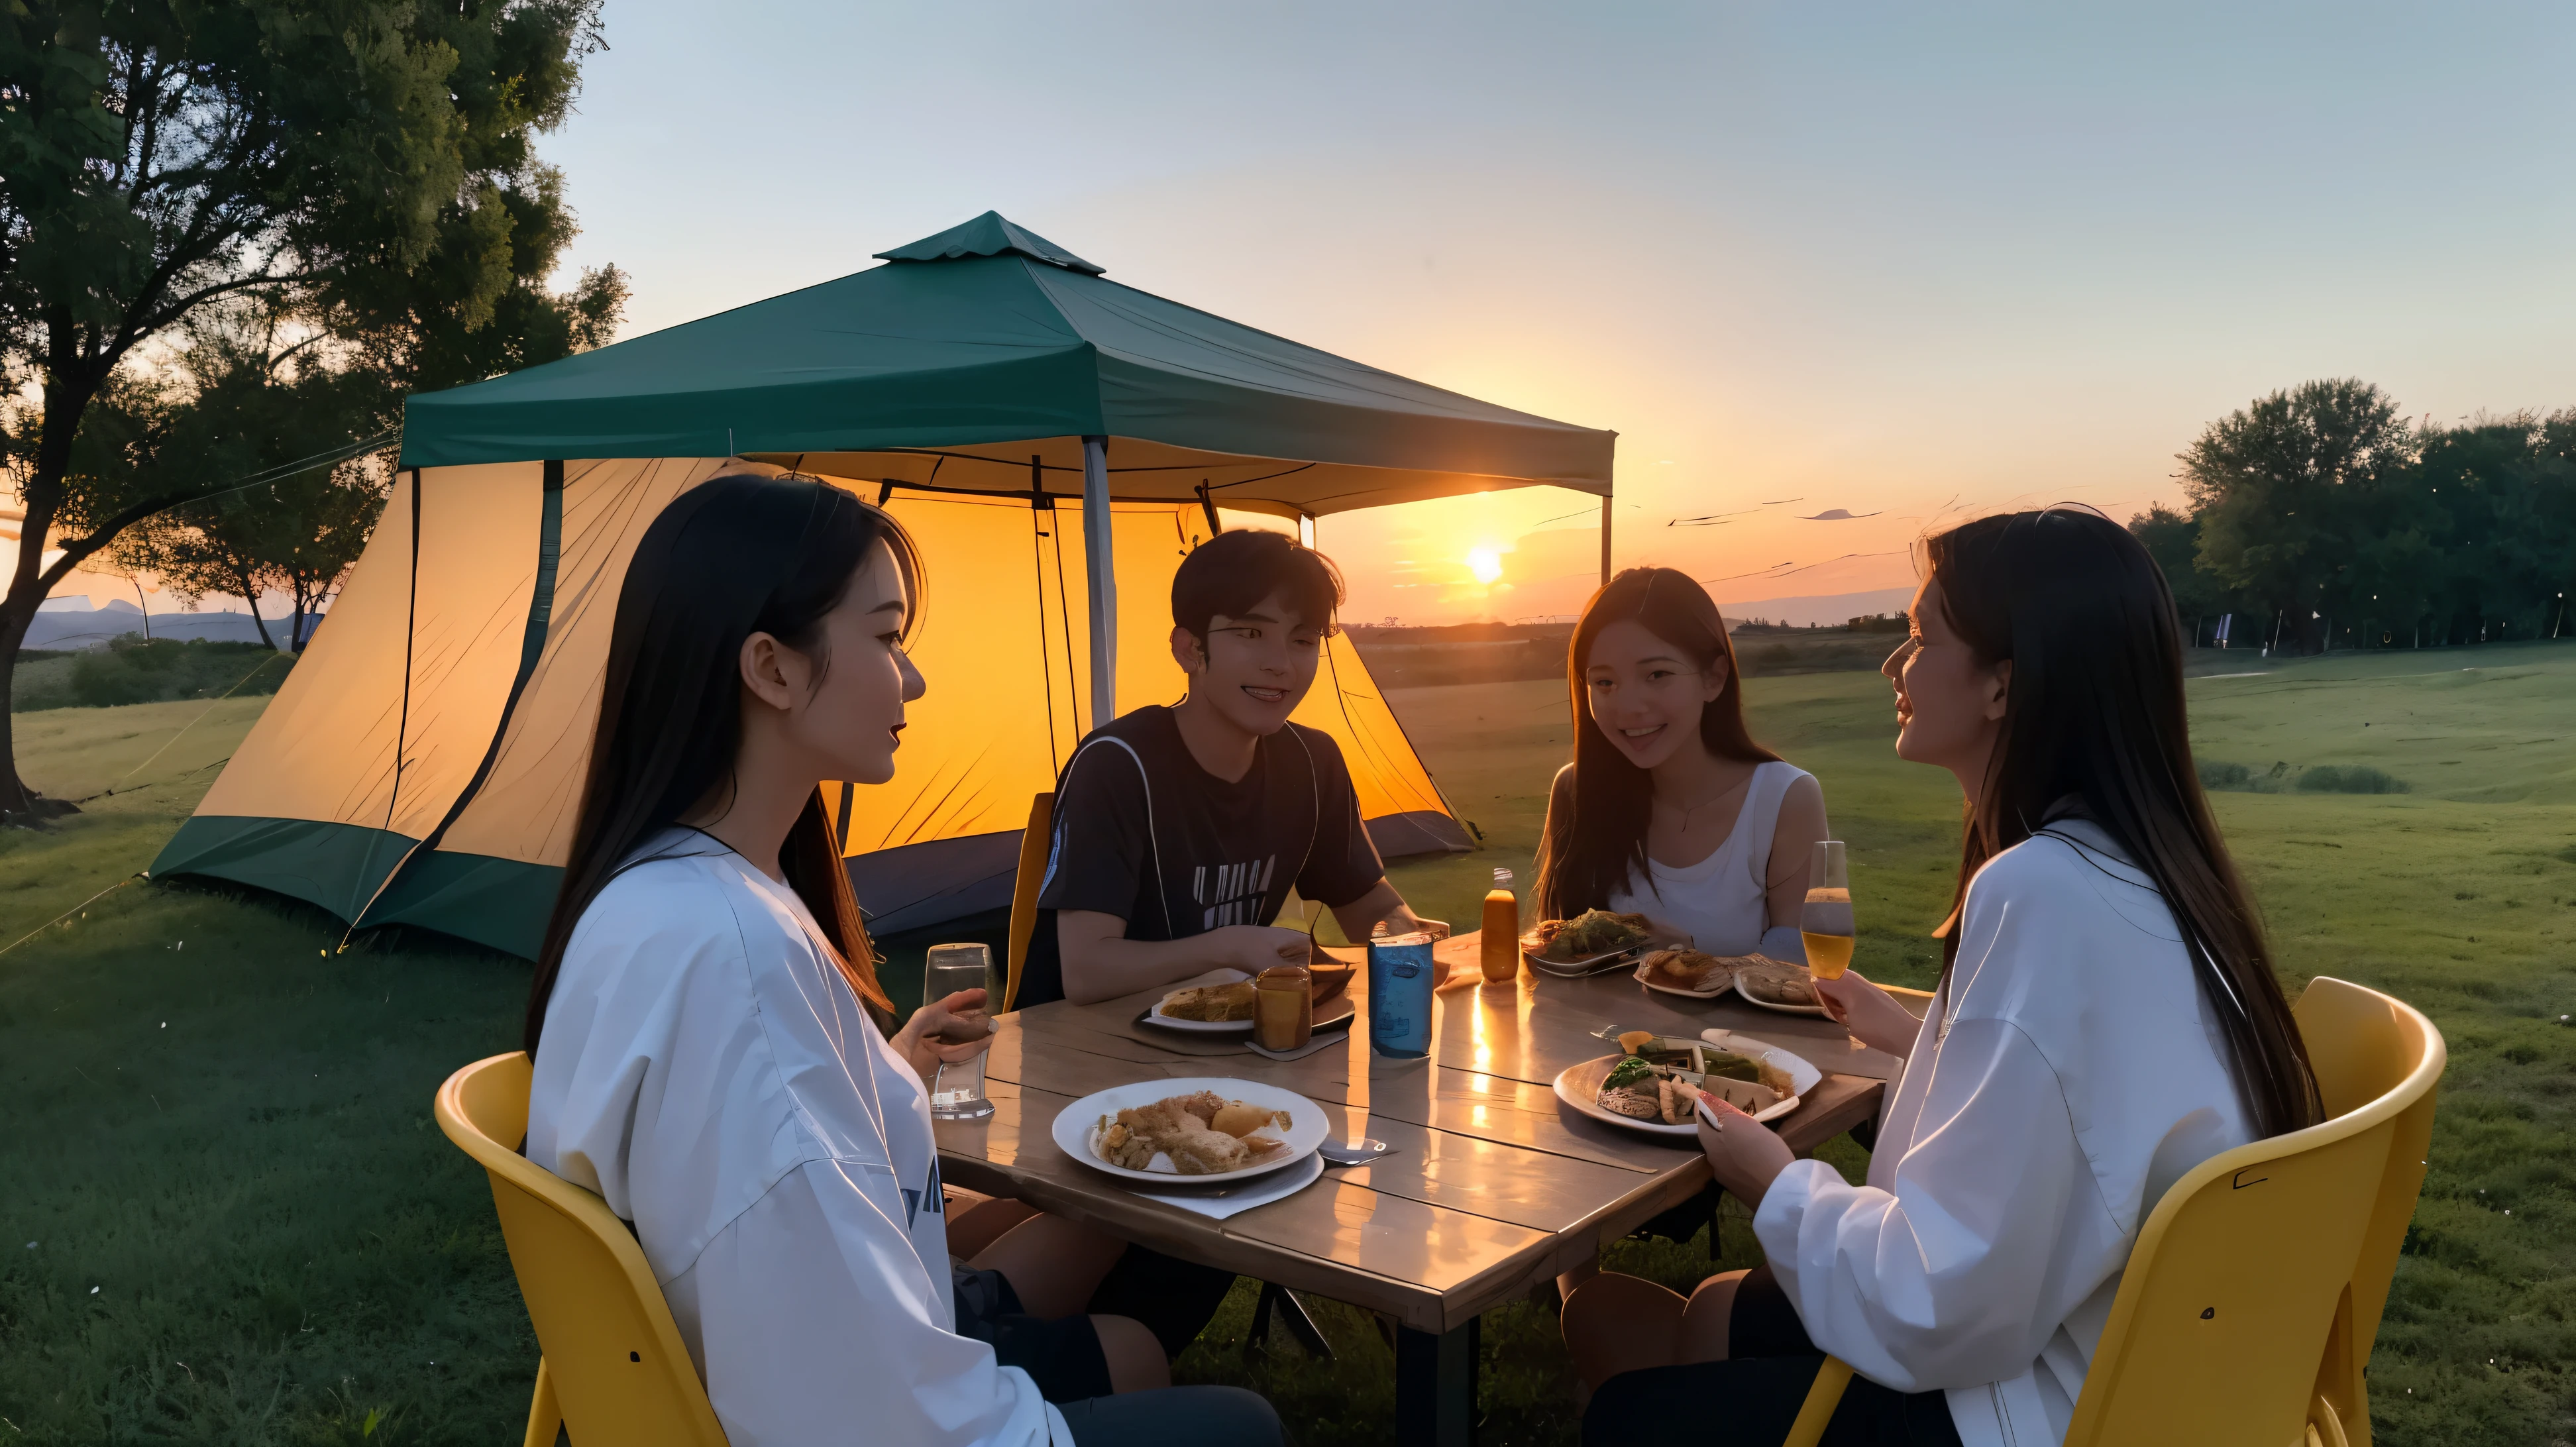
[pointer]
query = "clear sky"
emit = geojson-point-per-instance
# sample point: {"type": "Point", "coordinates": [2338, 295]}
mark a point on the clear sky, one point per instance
{"type": "Point", "coordinates": [1892, 259]}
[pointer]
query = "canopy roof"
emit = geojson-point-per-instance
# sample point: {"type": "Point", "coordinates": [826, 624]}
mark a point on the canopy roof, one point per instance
{"type": "Point", "coordinates": [976, 350]}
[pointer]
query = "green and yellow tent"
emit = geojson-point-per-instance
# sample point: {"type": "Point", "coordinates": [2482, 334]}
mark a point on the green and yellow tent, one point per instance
{"type": "Point", "coordinates": [1050, 436]}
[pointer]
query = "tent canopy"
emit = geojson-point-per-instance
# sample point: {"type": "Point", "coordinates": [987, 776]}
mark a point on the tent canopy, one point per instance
{"type": "Point", "coordinates": [424, 762]}
{"type": "Point", "coordinates": [972, 351]}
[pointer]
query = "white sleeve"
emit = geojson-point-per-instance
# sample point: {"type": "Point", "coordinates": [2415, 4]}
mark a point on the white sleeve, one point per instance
{"type": "Point", "coordinates": [1942, 1281]}
{"type": "Point", "coordinates": [812, 1307]}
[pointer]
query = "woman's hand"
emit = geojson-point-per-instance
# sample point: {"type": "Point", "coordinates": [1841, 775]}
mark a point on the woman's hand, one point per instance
{"type": "Point", "coordinates": [944, 1032]}
{"type": "Point", "coordinates": [1743, 1153]}
{"type": "Point", "coordinates": [1869, 1013]}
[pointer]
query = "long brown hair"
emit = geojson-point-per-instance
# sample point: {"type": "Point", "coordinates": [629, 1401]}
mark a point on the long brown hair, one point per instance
{"type": "Point", "coordinates": [1597, 846]}
{"type": "Point", "coordinates": [2095, 713]}
{"type": "Point", "coordinates": [733, 556]}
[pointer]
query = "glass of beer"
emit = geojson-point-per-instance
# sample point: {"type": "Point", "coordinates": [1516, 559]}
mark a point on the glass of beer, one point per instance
{"type": "Point", "coordinates": [958, 1092]}
{"type": "Point", "coordinates": [1826, 919]}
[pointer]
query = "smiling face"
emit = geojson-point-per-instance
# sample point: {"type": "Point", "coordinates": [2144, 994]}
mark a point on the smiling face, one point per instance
{"type": "Point", "coordinates": [1949, 704]}
{"type": "Point", "coordinates": [1646, 694]}
{"type": "Point", "coordinates": [842, 707]}
{"type": "Point", "coordinates": [1253, 669]}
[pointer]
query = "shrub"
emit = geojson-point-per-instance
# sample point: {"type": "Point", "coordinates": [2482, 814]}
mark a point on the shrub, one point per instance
{"type": "Point", "coordinates": [146, 670]}
{"type": "Point", "coordinates": [2349, 779]}
{"type": "Point", "coordinates": [2241, 777]}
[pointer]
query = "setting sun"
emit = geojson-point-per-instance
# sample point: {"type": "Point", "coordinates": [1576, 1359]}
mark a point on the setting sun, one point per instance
{"type": "Point", "coordinates": [1485, 563]}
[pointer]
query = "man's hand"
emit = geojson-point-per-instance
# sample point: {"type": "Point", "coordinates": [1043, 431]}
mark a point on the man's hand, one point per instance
{"type": "Point", "coordinates": [1101, 963]}
{"type": "Point", "coordinates": [945, 1031]}
{"type": "Point", "coordinates": [1252, 948]}
{"type": "Point", "coordinates": [1869, 1013]}
{"type": "Point", "coordinates": [1363, 914]}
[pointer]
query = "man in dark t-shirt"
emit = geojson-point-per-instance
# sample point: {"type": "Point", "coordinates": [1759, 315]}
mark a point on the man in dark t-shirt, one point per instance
{"type": "Point", "coordinates": [1180, 831]}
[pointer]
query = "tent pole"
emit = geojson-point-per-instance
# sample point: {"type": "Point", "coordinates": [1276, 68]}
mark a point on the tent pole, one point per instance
{"type": "Point", "coordinates": [1099, 562]}
{"type": "Point", "coordinates": [1605, 540]}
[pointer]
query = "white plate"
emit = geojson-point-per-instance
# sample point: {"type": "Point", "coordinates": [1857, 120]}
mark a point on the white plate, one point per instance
{"type": "Point", "coordinates": [1154, 1013]}
{"type": "Point", "coordinates": [1161, 1021]}
{"type": "Point", "coordinates": [1601, 966]}
{"type": "Point", "coordinates": [1578, 1084]}
{"type": "Point", "coordinates": [1077, 1123]}
{"type": "Point", "coordinates": [1802, 1072]}
{"type": "Point", "coordinates": [1783, 1009]}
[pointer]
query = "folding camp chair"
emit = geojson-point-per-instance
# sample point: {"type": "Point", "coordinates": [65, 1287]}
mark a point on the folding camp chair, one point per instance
{"type": "Point", "coordinates": [1024, 894]}
{"type": "Point", "coordinates": [2249, 1305]}
{"type": "Point", "coordinates": [614, 1369]}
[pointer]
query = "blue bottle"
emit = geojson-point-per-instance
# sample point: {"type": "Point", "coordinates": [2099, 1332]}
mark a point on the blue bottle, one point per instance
{"type": "Point", "coordinates": [1401, 976]}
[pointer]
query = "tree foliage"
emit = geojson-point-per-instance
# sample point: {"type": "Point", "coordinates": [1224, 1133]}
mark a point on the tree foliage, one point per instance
{"type": "Point", "coordinates": [362, 168]}
{"type": "Point", "coordinates": [2323, 513]}
{"type": "Point", "coordinates": [234, 410]}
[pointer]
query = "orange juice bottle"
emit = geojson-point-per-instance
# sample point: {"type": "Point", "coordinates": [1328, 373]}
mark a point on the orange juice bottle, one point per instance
{"type": "Point", "coordinates": [1501, 940]}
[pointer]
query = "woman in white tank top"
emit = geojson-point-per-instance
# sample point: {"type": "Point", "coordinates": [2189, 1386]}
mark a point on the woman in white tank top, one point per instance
{"type": "Point", "coordinates": [1670, 809]}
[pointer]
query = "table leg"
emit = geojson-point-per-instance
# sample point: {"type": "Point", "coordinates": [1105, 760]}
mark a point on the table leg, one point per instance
{"type": "Point", "coordinates": [1435, 1386]}
{"type": "Point", "coordinates": [1291, 1313]}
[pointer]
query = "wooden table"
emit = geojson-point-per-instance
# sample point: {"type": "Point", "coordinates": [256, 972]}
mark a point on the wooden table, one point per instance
{"type": "Point", "coordinates": [1494, 1185]}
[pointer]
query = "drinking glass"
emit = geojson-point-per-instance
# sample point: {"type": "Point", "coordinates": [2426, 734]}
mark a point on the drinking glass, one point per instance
{"type": "Point", "coordinates": [1826, 918]}
{"type": "Point", "coordinates": [958, 1091]}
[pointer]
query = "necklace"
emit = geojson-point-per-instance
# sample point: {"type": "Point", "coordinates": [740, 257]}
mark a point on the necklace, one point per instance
{"type": "Point", "coordinates": [1687, 810]}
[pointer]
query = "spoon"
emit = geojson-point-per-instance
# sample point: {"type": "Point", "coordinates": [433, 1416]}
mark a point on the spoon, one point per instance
{"type": "Point", "coordinates": [1355, 1152]}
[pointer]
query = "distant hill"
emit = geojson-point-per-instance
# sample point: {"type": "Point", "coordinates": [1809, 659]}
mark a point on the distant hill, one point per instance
{"type": "Point", "coordinates": [1830, 610]}
{"type": "Point", "coordinates": [65, 623]}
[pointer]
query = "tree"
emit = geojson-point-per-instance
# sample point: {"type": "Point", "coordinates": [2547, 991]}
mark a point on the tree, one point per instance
{"type": "Point", "coordinates": [2173, 540]}
{"type": "Point", "coordinates": [2275, 486]}
{"type": "Point", "coordinates": [245, 412]}
{"type": "Point", "coordinates": [2553, 472]}
{"type": "Point", "coordinates": [158, 160]}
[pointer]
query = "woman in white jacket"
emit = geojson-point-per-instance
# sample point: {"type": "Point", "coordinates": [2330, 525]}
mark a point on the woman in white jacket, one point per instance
{"type": "Point", "coordinates": [712, 1046]}
{"type": "Point", "coordinates": [2107, 1018]}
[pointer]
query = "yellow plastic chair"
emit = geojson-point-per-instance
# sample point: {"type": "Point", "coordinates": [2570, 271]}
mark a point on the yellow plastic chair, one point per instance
{"type": "Point", "coordinates": [1024, 894]}
{"type": "Point", "coordinates": [614, 1369]}
{"type": "Point", "coordinates": [2249, 1305]}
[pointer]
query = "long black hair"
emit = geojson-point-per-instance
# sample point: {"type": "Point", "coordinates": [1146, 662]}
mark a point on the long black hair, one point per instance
{"type": "Point", "coordinates": [733, 556]}
{"type": "Point", "coordinates": [1596, 847]}
{"type": "Point", "coordinates": [2095, 714]}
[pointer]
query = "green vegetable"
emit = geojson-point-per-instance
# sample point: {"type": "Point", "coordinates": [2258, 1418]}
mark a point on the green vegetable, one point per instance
{"type": "Point", "coordinates": [1627, 1072]}
{"type": "Point", "coordinates": [1728, 1066]}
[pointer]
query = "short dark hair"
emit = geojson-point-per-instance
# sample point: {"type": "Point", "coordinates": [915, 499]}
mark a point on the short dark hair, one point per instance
{"type": "Point", "coordinates": [1233, 571]}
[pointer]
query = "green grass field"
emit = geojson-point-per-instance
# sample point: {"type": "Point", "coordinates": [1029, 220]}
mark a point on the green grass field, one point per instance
{"type": "Point", "coordinates": [228, 1217]}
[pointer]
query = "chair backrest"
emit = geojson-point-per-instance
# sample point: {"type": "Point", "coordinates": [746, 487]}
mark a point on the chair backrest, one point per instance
{"type": "Point", "coordinates": [2365, 1045]}
{"type": "Point", "coordinates": [1024, 892]}
{"type": "Point", "coordinates": [612, 1354]}
{"type": "Point", "coordinates": [2240, 1318]}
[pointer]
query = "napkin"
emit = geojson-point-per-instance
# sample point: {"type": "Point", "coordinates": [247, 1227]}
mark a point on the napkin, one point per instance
{"type": "Point", "coordinates": [1323, 1040]}
{"type": "Point", "coordinates": [1260, 1191]}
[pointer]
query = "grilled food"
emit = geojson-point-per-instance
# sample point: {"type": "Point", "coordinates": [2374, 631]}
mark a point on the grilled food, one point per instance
{"type": "Point", "coordinates": [1203, 1134]}
{"type": "Point", "coordinates": [1661, 1080]}
{"type": "Point", "coordinates": [1211, 1002]}
{"type": "Point", "coordinates": [1686, 969]}
{"type": "Point", "coordinates": [1774, 983]}
{"type": "Point", "coordinates": [1593, 932]}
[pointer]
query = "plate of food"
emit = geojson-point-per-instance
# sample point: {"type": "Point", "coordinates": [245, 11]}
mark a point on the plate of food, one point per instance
{"type": "Point", "coordinates": [1169, 1131]}
{"type": "Point", "coordinates": [1773, 985]}
{"type": "Point", "coordinates": [1587, 944]}
{"type": "Point", "coordinates": [1219, 1009]}
{"type": "Point", "coordinates": [1691, 974]}
{"type": "Point", "coordinates": [1653, 1084]}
